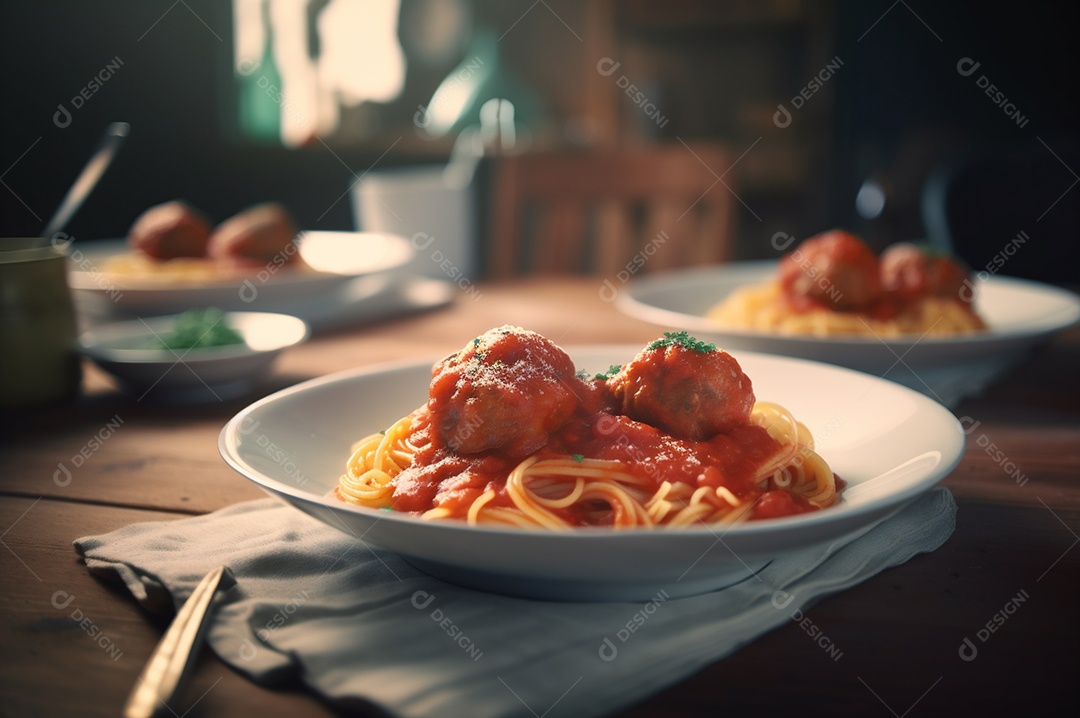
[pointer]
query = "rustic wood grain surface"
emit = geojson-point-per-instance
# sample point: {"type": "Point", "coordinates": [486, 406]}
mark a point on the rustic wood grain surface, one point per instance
{"type": "Point", "coordinates": [900, 634]}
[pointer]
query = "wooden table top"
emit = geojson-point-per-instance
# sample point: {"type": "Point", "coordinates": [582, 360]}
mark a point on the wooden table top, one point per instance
{"type": "Point", "coordinates": [1007, 580]}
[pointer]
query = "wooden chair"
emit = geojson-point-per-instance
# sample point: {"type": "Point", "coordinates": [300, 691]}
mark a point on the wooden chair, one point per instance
{"type": "Point", "coordinates": [609, 210]}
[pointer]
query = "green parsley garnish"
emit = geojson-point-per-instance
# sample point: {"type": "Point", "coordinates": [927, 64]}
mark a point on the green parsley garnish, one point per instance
{"type": "Point", "coordinates": [612, 371]}
{"type": "Point", "coordinates": [578, 457]}
{"type": "Point", "coordinates": [683, 339]}
{"type": "Point", "coordinates": [199, 329]}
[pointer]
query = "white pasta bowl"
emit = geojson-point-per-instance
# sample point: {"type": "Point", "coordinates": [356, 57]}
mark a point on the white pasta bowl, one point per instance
{"type": "Point", "coordinates": [1019, 314]}
{"type": "Point", "coordinates": [890, 445]}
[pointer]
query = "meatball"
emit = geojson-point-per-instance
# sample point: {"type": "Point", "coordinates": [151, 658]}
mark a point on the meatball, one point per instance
{"type": "Point", "coordinates": [909, 272]}
{"type": "Point", "coordinates": [508, 389]}
{"type": "Point", "coordinates": [260, 234]}
{"type": "Point", "coordinates": [691, 393]}
{"type": "Point", "coordinates": [834, 269]}
{"type": "Point", "coordinates": [169, 231]}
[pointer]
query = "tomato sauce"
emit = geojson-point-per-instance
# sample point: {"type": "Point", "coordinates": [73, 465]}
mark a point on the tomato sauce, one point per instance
{"type": "Point", "coordinates": [678, 412]}
{"type": "Point", "coordinates": [441, 477]}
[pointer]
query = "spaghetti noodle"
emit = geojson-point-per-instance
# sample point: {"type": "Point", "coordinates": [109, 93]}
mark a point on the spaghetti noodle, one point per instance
{"type": "Point", "coordinates": [132, 268]}
{"type": "Point", "coordinates": [634, 450]}
{"type": "Point", "coordinates": [764, 308]}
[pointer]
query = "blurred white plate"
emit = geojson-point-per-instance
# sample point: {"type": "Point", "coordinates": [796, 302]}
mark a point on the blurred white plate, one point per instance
{"type": "Point", "coordinates": [191, 375]}
{"type": "Point", "coordinates": [335, 257]}
{"type": "Point", "coordinates": [1020, 314]}
{"type": "Point", "coordinates": [890, 444]}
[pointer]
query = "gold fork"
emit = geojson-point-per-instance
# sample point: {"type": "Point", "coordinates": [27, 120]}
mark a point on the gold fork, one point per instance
{"type": "Point", "coordinates": [174, 654]}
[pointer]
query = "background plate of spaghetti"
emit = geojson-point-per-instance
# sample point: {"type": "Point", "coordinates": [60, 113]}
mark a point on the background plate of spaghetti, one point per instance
{"type": "Point", "coordinates": [888, 443]}
{"type": "Point", "coordinates": [1019, 315]}
{"type": "Point", "coordinates": [107, 279]}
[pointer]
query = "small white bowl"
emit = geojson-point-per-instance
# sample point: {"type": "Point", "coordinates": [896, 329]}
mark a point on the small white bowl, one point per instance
{"type": "Point", "coordinates": [191, 375]}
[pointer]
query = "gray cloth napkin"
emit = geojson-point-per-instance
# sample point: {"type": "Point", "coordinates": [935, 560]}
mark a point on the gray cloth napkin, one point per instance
{"type": "Point", "coordinates": [360, 626]}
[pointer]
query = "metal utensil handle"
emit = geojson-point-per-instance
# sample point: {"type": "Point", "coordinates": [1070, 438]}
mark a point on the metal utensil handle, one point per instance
{"type": "Point", "coordinates": [91, 173]}
{"type": "Point", "coordinates": [163, 673]}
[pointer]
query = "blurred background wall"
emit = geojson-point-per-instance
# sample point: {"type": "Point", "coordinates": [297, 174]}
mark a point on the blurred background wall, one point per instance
{"type": "Point", "coordinates": [824, 102]}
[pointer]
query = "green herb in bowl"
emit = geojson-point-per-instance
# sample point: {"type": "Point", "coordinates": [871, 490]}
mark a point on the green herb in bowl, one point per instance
{"type": "Point", "coordinates": [199, 329]}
